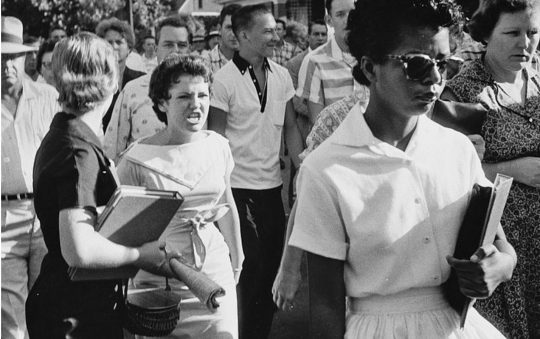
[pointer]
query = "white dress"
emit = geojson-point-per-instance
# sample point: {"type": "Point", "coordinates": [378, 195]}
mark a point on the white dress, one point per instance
{"type": "Point", "coordinates": [197, 170]}
{"type": "Point", "coordinates": [392, 217]}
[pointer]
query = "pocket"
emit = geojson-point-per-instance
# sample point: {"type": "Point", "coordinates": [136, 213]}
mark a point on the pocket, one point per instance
{"type": "Point", "coordinates": [278, 112]}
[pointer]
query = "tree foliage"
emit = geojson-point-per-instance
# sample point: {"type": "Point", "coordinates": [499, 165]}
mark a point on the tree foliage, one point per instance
{"type": "Point", "coordinates": [38, 16]}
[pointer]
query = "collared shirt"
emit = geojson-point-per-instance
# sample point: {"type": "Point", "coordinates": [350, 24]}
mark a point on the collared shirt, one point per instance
{"type": "Point", "coordinates": [392, 216]}
{"type": "Point", "coordinates": [326, 75]}
{"type": "Point", "coordinates": [133, 117]}
{"type": "Point", "coordinates": [331, 117]}
{"type": "Point", "coordinates": [285, 52]}
{"type": "Point", "coordinates": [254, 120]}
{"type": "Point", "coordinates": [22, 134]}
{"type": "Point", "coordinates": [149, 63]}
{"type": "Point", "coordinates": [216, 59]}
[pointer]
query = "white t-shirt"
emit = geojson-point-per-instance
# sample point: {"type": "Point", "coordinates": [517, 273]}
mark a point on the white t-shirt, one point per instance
{"type": "Point", "coordinates": [392, 216]}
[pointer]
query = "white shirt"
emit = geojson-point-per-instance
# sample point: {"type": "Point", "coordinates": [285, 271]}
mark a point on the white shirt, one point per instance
{"type": "Point", "coordinates": [254, 136]}
{"type": "Point", "coordinates": [392, 216]}
{"type": "Point", "coordinates": [132, 118]}
{"type": "Point", "coordinates": [22, 134]}
{"type": "Point", "coordinates": [135, 62]}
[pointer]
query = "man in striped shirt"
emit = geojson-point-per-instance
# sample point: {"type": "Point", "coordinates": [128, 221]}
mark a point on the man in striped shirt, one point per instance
{"type": "Point", "coordinates": [326, 74]}
{"type": "Point", "coordinates": [224, 51]}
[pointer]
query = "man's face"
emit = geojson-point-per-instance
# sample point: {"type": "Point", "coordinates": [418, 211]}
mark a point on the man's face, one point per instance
{"type": "Point", "coordinates": [338, 16]}
{"type": "Point", "coordinates": [280, 30]}
{"type": "Point", "coordinates": [119, 45]}
{"type": "Point", "coordinates": [228, 39]}
{"type": "Point", "coordinates": [149, 46]}
{"type": "Point", "coordinates": [172, 40]}
{"type": "Point", "coordinates": [30, 64]}
{"type": "Point", "coordinates": [12, 69]}
{"type": "Point", "coordinates": [57, 35]}
{"type": "Point", "coordinates": [262, 37]}
{"type": "Point", "coordinates": [318, 36]}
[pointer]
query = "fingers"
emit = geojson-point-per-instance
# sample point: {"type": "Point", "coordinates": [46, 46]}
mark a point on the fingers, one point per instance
{"type": "Point", "coordinates": [485, 251]}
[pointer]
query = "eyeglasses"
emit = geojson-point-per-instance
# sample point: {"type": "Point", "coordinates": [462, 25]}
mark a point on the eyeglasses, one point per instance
{"type": "Point", "coordinates": [418, 66]}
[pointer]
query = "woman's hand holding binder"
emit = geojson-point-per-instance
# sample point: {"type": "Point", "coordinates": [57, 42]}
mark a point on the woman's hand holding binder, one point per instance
{"type": "Point", "coordinates": [486, 269]}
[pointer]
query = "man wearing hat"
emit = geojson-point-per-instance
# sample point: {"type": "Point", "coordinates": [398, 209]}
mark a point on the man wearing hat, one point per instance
{"type": "Point", "coordinates": [27, 111]}
{"type": "Point", "coordinates": [198, 44]}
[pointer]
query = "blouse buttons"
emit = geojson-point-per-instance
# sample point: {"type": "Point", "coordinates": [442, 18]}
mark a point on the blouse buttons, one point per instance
{"type": "Point", "coordinates": [426, 240]}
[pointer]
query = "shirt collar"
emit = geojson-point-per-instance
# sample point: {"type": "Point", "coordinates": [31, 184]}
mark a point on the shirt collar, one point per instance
{"type": "Point", "coordinates": [337, 53]}
{"type": "Point", "coordinates": [243, 64]}
{"type": "Point", "coordinates": [30, 91]}
{"type": "Point", "coordinates": [354, 132]}
{"type": "Point", "coordinates": [75, 128]}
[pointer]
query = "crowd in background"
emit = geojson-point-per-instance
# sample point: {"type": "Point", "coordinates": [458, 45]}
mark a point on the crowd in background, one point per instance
{"type": "Point", "coordinates": [378, 186]}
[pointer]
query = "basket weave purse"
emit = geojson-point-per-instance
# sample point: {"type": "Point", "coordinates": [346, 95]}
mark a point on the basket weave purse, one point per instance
{"type": "Point", "coordinates": [151, 311]}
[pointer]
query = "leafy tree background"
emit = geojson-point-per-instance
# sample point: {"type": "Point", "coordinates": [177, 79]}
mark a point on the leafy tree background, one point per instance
{"type": "Point", "coordinates": [38, 16]}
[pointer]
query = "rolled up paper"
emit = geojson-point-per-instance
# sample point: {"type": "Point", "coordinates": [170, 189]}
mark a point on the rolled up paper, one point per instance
{"type": "Point", "coordinates": [204, 288]}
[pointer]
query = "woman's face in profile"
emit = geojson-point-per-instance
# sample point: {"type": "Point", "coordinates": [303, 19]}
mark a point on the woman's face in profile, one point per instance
{"type": "Point", "coordinates": [402, 93]}
{"type": "Point", "coordinates": [187, 109]}
{"type": "Point", "coordinates": [514, 39]}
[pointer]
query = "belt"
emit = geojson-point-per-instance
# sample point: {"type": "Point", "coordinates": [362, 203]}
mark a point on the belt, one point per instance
{"type": "Point", "coordinates": [19, 196]}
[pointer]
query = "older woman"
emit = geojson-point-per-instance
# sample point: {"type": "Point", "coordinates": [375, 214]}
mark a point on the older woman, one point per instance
{"type": "Point", "coordinates": [198, 163]}
{"type": "Point", "coordinates": [505, 83]}
{"type": "Point", "coordinates": [381, 201]}
{"type": "Point", "coordinates": [72, 177]}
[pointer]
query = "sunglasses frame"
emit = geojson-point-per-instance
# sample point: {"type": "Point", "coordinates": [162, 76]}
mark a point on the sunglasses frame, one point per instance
{"type": "Point", "coordinates": [403, 58]}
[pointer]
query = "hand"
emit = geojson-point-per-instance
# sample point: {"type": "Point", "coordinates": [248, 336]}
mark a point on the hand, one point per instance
{"type": "Point", "coordinates": [154, 258]}
{"type": "Point", "coordinates": [479, 144]}
{"type": "Point", "coordinates": [486, 269]}
{"type": "Point", "coordinates": [284, 289]}
{"type": "Point", "coordinates": [527, 170]}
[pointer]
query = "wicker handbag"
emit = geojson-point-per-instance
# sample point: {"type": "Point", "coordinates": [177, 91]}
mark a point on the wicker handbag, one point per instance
{"type": "Point", "coordinates": [151, 311]}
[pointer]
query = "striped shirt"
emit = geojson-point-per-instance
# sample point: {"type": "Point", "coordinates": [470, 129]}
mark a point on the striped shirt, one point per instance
{"type": "Point", "coordinates": [326, 75]}
{"type": "Point", "coordinates": [286, 52]}
{"type": "Point", "coordinates": [215, 59]}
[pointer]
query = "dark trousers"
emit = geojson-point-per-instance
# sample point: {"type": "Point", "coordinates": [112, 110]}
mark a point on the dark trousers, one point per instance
{"type": "Point", "coordinates": [262, 224]}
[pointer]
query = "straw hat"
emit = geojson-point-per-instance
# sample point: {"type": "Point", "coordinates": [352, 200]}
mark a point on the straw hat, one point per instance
{"type": "Point", "coordinates": [12, 36]}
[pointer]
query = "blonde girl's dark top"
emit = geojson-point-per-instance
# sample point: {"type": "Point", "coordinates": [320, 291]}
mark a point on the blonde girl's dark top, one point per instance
{"type": "Point", "coordinates": [70, 171]}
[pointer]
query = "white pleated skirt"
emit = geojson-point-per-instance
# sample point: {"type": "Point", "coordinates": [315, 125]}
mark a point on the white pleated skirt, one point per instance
{"type": "Point", "coordinates": [413, 314]}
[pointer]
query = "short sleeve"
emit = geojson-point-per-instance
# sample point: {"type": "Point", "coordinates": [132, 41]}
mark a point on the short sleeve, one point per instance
{"type": "Point", "coordinates": [318, 227]}
{"type": "Point", "coordinates": [309, 82]}
{"type": "Point", "coordinates": [220, 94]}
{"type": "Point", "coordinates": [229, 161]}
{"type": "Point", "coordinates": [76, 184]}
{"type": "Point", "coordinates": [127, 172]}
{"type": "Point", "coordinates": [289, 87]}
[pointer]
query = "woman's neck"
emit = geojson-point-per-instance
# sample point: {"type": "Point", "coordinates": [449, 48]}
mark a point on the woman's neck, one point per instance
{"type": "Point", "coordinates": [499, 73]}
{"type": "Point", "coordinates": [171, 136]}
{"type": "Point", "coordinates": [392, 128]}
{"type": "Point", "coordinates": [92, 119]}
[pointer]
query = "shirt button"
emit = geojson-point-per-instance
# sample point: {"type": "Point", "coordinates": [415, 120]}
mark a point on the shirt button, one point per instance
{"type": "Point", "coordinates": [417, 200]}
{"type": "Point", "coordinates": [426, 240]}
{"type": "Point", "coordinates": [435, 278]}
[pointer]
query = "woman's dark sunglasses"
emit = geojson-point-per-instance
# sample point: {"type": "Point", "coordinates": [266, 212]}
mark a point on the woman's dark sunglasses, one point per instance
{"type": "Point", "coordinates": [418, 66]}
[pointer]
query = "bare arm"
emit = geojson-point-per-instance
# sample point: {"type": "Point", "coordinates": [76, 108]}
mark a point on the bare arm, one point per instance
{"type": "Point", "coordinates": [288, 277]}
{"type": "Point", "coordinates": [314, 109]}
{"type": "Point", "coordinates": [525, 170]}
{"type": "Point", "coordinates": [82, 247]}
{"type": "Point", "coordinates": [292, 134]}
{"type": "Point", "coordinates": [229, 226]}
{"type": "Point", "coordinates": [217, 120]}
{"type": "Point", "coordinates": [326, 297]}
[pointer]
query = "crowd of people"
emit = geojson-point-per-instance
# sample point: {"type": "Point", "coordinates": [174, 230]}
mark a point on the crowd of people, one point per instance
{"type": "Point", "coordinates": [390, 112]}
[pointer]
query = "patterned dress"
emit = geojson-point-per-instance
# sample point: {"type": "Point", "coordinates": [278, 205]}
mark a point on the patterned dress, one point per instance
{"type": "Point", "coordinates": [511, 131]}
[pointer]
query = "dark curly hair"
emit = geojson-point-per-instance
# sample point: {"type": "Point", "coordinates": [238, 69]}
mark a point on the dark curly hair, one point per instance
{"type": "Point", "coordinates": [46, 47]}
{"type": "Point", "coordinates": [376, 26]}
{"type": "Point", "coordinates": [169, 72]}
{"type": "Point", "coordinates": [486, 16]}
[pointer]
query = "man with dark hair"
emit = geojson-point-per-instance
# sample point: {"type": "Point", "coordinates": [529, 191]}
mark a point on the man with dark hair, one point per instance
{"type": "Point", "coordinates": [122, 39]}
{"type": "Point", "coordinates": [251, 107]}
{"type": "Point", "coordinates": [224, 51]}
{"type": "Point", "coordinates": [284, 51]}
{"type": "Point", "coordinates": [57, 33]}
{"type": "Point", "coordinates": [30, 63]}
{"type": "Point", "coordinates": [149, 53]}
{"type": "Point", "coordinates": [28, 108]}
{"type": "Point", "coordinates": [326, 74]}
{"type": "Point", "coordinates": [317, 36]}
{"type": "Point", "coordinates": [133, 116]}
